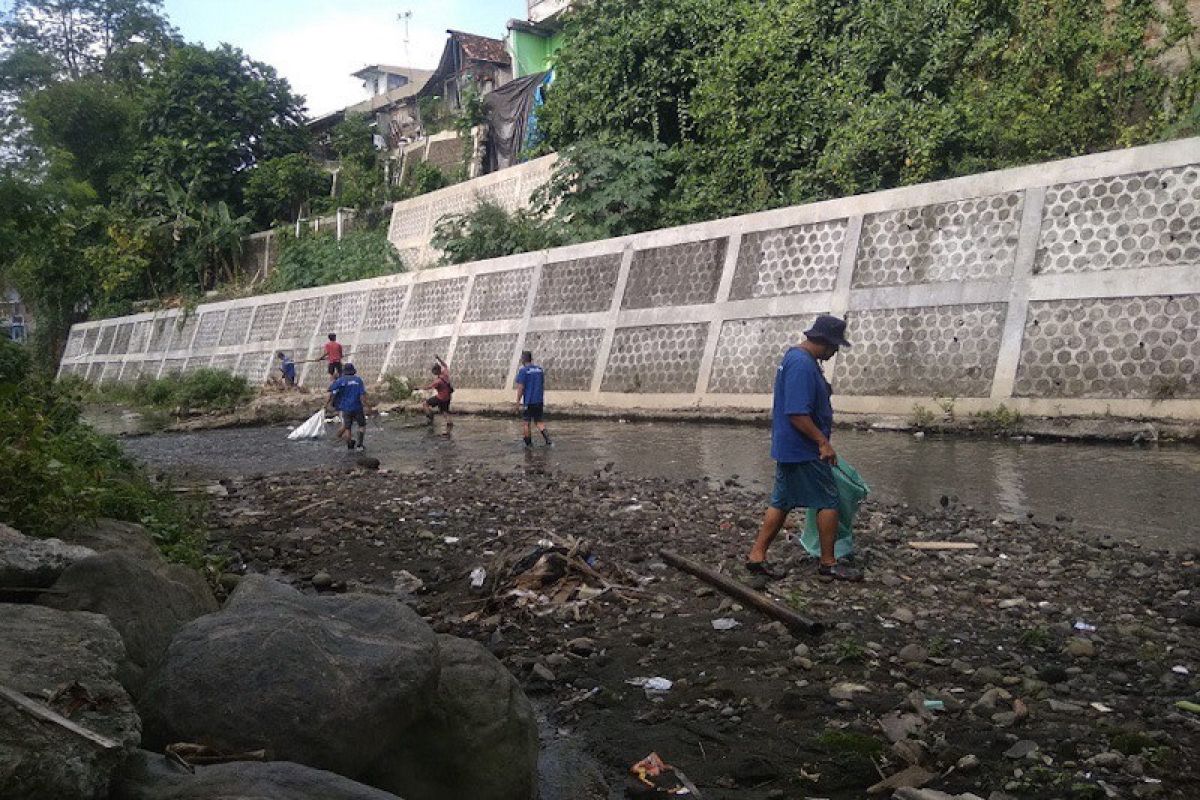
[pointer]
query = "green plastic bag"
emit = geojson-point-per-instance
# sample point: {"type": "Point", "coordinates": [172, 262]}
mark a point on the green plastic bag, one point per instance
{"type": "Point", "coordinates": [852, 490]}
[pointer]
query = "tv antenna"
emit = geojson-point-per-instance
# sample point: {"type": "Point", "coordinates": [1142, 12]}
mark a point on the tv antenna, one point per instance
{"type": "Point", "coordinates": [405, 17]}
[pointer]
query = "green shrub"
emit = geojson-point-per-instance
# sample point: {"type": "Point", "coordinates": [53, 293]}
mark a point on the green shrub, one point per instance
{"type": "Point", "coordinates": [490, 231]}
{"type": "Point", "coordinates": [396, 387]}
{"type": "Point", "coordinates": [421, 178]}
{"type": "Point", "coordinates": [319, 260]}
{"type": "Point", "coordinates": [201, 390]}
{"type": "Point", "coordinates": [56, 471]}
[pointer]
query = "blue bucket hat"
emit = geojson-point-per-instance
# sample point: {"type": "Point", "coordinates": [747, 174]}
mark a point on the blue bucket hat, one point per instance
{"type": "Point", "coordinates": [829, 329]}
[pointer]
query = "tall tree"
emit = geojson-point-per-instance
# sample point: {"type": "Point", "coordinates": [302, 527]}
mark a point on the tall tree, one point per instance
{"type": "Point", "coordinates": [78, 37]}
{"type": "Point", "coordinates": [208, 116]}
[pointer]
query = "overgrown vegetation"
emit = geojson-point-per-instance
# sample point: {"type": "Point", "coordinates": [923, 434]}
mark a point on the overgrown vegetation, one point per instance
{"type": "Point", "coordinates": [489, 231]}
{"type": "Point", "coordinates": [396, 388]}
{"type": "Point", "coordinates": [750, 104]}
{"type": "Point", "coordinates": [57, 471]}
{"type": "Point", "coordinates": [196, 391]}
{"type": "Point", "coordinates": [319, 259]}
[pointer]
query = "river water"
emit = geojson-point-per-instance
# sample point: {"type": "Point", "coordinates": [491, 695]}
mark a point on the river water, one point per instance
{"type": "Point", "coordinates": [1147, 493]}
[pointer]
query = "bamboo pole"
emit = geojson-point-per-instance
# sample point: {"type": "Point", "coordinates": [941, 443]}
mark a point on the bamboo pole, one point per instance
{"type": "Point", "coordinates": [796, 623]}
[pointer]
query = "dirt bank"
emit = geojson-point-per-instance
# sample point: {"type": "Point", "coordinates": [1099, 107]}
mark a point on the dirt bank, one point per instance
{"type": "Point", "coordinates": [1024, 704]}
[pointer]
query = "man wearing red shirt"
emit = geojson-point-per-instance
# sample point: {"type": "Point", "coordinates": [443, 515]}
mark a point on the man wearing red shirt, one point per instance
{"type": "Point", "coordinates": [440, 402]}
{"type": "Point", "coordinates": [333, 354]}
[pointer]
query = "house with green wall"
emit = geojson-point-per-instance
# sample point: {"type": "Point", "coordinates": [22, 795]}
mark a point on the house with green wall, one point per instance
{"type": "Point", "coordinates": [533, 42]}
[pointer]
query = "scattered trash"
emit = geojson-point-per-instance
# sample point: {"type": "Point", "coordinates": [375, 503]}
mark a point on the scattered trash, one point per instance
{"type": "Point", "coordinates": [1103, 709]}
{"type": "Point", "coordinates": [407, 583]}
{"type": "Point", "coordinates": [1180, 670]}
{"type": "Point", "coordinates": [653, 687]}
{"type": "Point", "coordinates": [478, 576]}
{"type": "Point", "coordinates": [1188, 705]}
{"type": "Point", "coordinates": [451, 539]}
{"type": "Point", "coordinates": [656, 778]}
{"type": "Point", "coordinates": [1080, 625]}
{"type": "Point", "coordinates": [935, 705]}
{"type": "Point", "coordinates": [725, 624]}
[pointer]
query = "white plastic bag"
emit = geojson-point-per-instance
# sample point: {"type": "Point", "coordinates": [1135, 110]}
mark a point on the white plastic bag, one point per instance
{"type": "Point", "coordinates": [312, 428]}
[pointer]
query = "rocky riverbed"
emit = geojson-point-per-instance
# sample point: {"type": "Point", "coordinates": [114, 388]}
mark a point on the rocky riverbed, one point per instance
{"type": "Point", "coordinates": [1043, 662]}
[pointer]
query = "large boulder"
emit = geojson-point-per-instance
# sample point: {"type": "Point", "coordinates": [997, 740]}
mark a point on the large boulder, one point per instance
{"type": "Point", "coordinates": [355, 684]}
{"type": "Point", "coordinates": [107, 535]}
{"type": "Point", "coordinates": [69, 662]}
{"type": "Point", "coordinates": [479, 731]}
{"type": "Point", "coordinates": [153, 777]}
{"type": "Point", "coordinates": [147, 601]}
{"type": "Point", "coordinates": [28, 563]}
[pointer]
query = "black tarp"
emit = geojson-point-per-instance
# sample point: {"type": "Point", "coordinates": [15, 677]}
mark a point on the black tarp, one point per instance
{"type": "Point", "coordinates": [508, 110]}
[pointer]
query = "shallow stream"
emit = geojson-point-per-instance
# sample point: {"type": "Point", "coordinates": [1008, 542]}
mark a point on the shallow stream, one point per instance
{"type": "Point", "coordinates": [1147, 493]}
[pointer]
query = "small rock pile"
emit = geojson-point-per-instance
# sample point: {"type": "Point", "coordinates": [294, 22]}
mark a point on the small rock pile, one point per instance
{"type": "Point", "coordinates": [118, 667]}
{"type": "Point", "coordinates": [1035, 661]}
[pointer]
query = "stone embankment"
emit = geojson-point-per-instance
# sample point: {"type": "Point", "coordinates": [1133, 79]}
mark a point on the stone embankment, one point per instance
{"type": "Point", "coordinates": [122, 679]}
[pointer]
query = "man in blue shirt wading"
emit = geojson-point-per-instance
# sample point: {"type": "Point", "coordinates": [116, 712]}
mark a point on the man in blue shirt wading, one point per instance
{"type": "Point", "coordinates": [801, 424]}
{"type": "Point", "coordinates": [531, 387]}
{"type": "Point", "coordinates": [350, 394]}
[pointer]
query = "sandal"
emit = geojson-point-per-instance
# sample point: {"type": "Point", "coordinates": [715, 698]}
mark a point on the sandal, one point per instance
{"type": "Point", "coordinates": [763, 568]}
{"type": "Point", "coordinates": [839, 572]}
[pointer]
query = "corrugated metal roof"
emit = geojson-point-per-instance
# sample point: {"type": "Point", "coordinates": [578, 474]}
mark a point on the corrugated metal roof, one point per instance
{"type": "Point", "coordinates": [481, 48]}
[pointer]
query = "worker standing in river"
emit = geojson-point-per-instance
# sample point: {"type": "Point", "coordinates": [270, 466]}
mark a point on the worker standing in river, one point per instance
{"type": "Point", "coordinates": [349, 393]}
{"type": "Point", "coordinates": [443, 393]}
{"type": "Point", "coordinates": [531, 398]}
{"type": "Point", "coordinates": [801, 424]}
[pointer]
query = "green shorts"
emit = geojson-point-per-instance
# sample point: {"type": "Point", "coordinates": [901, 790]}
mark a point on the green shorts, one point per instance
{"type": "Point", "coordinates": [809, 484]}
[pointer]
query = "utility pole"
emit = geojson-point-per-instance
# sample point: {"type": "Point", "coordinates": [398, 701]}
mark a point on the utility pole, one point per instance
{"type": "Point", "coordinates": [405, 17]}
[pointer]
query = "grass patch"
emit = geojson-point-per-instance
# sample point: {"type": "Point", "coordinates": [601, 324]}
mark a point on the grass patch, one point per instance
{"type": "Point", "coordinates": [57, 472]}
{"type": "Point", "coordinates": [1000, 419]}
{"type": "Point", "coordinates": [199, 391]}
{"type": "Point", "coordinates": [1036, 637]}
{"type": "Point", "coordinates": [848, 650]}
{"type": "Point", "coordinates": [849, 759]}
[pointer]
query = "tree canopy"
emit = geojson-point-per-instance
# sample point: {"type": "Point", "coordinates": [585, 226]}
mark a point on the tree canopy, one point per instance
{"type": "Point", "coordinates": [760, 103]}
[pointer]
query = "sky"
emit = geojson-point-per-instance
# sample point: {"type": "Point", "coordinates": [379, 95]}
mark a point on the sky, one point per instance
{"type": "Point", "coordinates": [316, 44]}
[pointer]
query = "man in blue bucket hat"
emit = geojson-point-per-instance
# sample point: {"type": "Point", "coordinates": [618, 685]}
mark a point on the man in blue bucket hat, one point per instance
{"type": "Point", "coordinates": [801, 424]}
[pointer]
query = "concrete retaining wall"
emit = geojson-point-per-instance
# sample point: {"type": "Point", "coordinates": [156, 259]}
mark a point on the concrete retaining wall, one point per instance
{"type": "Point", "coordinates": [413, 220]}
{"type": "Point", "coordinates": [1067, 288]}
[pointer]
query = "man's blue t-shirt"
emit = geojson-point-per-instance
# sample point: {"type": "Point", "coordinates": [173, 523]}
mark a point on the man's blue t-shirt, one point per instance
{"type": "Point", "coordinates": [800, 388]}
{"type": "Point", "coordinates": [289, 368]}
{"type": "Point", "coordinates": [348, 392]}
{"type": "Point", "coordinates": [533, 378]}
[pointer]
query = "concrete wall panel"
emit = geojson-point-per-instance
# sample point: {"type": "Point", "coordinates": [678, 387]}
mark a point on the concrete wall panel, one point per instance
{"type": "Point", "coordinates": [1071, 287]}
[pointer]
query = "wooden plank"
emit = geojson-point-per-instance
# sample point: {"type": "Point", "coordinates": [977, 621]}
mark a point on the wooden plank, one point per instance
{"type": "Point", "coordinates": [796, 623]}
{"type": "Point", "coordinates": [47, 714]}
{"type": "Point", "coordinates": [943, 545]}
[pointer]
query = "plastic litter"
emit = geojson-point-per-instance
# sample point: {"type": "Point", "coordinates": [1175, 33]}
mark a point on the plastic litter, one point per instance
{"type": "Point", "coordinates": [653, 777]}
{"type": "Point", "coordinates": [451, 539]}
{"type": "Point", "coordinates": [725, 624]}
{"type": "Point", "coordinates": [653, 687]}
{"type": "Point", "coordinates": [852, 490]}
{"type": "Point", "coordinates": [935, 705]}
{"type": "Point", "coordinates": [1188, 705]}
{"type": "Point", "coordinates": [311, 428]}
{"type": "Point", "coordinates": [1103, 709]}
{"type": "Point", "coordinates": [478, 576]}
{"type": "Point", "coordinates": [1080, 625]}
{"type": "Point", "coordinates": [1180, 670]}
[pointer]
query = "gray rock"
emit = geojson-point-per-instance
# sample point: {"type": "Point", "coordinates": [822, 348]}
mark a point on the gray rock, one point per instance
{"type": "Point", "coordinates": [1080, 648]}
{"type": "Point", "coordinates": [903, 615]}
{"type": "Point", "coordinates": [107, 535]}
{"type": "Point", "coordinates": [147, 602]}
{"type": "Point", "coordinates": [1022, 749]}
{"type": "Point", "coordinates": [913, 653]}
{"type": "Point", "coordinates": [151, 777]}
{"type": "Point", "coordinates": [29, 563]}
{"type": "Point", "coordinates": [355, 684]}
{"type": "Point", "coordinates": [479, 731]}
{"type": "Point", "coordinates": [45, 650]}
